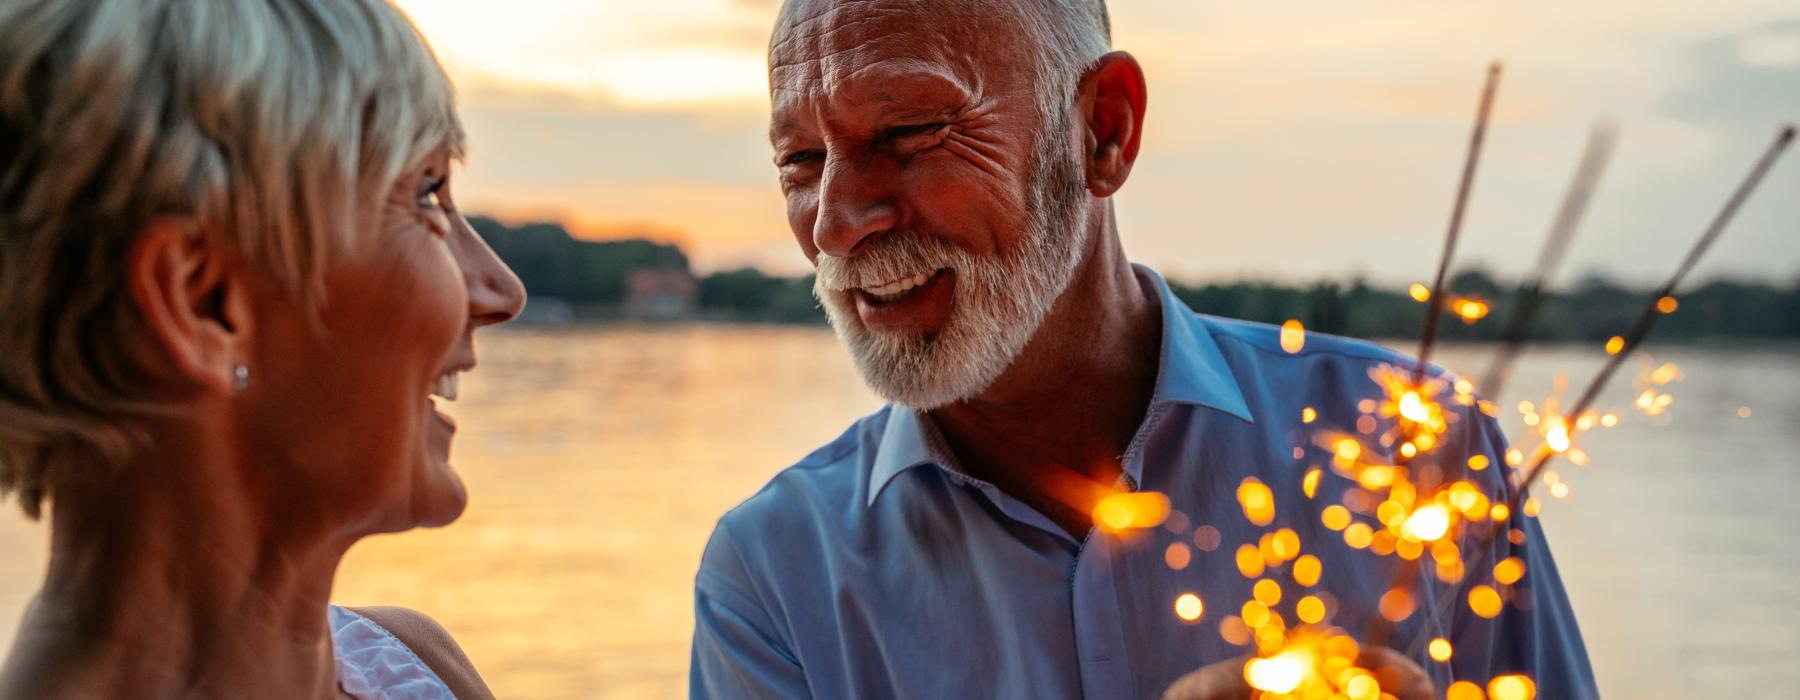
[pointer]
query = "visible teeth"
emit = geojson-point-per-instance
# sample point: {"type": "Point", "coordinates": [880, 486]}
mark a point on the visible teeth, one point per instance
{"type": "Point", "coordinates": [898, 286]}
{"type": "Point", "coordinates": [445, 386]}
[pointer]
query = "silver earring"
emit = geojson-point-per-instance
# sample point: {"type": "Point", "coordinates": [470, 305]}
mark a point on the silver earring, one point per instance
{"type": "Point", "coordinates": [240, 377]}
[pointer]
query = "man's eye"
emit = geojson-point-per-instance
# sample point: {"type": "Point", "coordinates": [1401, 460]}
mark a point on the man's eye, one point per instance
{"type": "Point", "coordinates": [801, 157]}
{"type": "Point", "coordinates": [901, 132]}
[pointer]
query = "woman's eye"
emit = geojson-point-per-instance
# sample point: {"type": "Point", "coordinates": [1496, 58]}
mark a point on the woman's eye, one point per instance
{"type": "Point", "coordinates": [428, 193]}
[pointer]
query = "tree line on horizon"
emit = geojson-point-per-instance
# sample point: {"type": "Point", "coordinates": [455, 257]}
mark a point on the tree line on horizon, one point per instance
{"type": "Point", "coordinates": [592, 275]}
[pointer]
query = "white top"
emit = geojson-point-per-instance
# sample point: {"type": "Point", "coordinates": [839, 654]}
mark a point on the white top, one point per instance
{"type": "Point", "coordinates": [373, 664]}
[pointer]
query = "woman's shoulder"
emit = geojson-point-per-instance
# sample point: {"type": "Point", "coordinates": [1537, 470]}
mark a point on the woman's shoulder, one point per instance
{"type": "Point", "coordinates": [433, 645]}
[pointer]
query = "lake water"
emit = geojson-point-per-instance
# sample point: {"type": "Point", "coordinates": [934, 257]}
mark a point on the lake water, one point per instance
{"type": "Point", "coordinates": [599, 458]}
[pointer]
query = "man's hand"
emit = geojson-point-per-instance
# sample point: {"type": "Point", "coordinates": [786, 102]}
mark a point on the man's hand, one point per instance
{"type": "Point", "coordinates": [1224, 680]}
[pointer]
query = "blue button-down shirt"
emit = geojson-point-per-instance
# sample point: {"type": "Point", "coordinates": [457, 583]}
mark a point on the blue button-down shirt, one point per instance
{"type": "Point", "coordinates": [875, 569]}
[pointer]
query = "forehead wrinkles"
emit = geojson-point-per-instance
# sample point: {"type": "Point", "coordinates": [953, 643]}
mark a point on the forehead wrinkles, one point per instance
{"type": "Point", "coordinates": [822, 45]}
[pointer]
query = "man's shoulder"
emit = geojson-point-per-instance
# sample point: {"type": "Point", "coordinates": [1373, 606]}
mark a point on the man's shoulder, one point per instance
{"type": "Point", "coordinates": [805, 502]}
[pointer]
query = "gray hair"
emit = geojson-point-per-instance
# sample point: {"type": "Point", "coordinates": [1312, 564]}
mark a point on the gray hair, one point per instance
{"type": "Point", "coordinates": [1073, 34]}
{"type": "Point", "coordinates": [272, 128]}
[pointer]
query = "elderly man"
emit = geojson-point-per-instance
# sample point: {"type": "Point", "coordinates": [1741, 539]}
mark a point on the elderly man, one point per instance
{"type": "Point", "coordinates": [948, 167]}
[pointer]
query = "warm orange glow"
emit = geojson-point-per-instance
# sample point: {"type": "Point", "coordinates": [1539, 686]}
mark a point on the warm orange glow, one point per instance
{"type": "Point", "coordinates": [1464, 690]}
{"type": "Point", "coordinates": [1471, 310]}
{"type": "Point", "coordinates": [1478, 462]}
{"type": "Point", "coordinates": [1293, 336]}
{"type": "Point", "coordinates": [1499, 513]}
{"type": "Point", "coordinates": [1396, 605]}
{"type": "Point", "coordinates": [1177, 556]}
{"type": "Point", "coordinates": [1419, 292]}
{"type": "Point", "coordinates": [1556, 434]}
{"type": "Point", "coordinates": [1440, 649]}
{"type": "Point", "coordinates": [1249, 561]}
{"type": "Point", "coordinates": [1131, 511]}
{"type": "Point", "coordinates": [1667, 305]}
{"type": "Point", "coordinates": [1257, 500]}
{"type": "Point", "coordinates": [1485, 601]}
{"type": "Point", "coordinates": [1307, 570]}
{"type": "Point", "coordinates": [1255, 614]}
{"type": "Point", "coordinates": [1347, 449]}
{"type": "Point", "coordinates": [1188, 607]}
{"type": "Point", "coordinates": [1310, 609]}
{"type": "Point", "coordinates": [1267, 592]}
{"type": "Point", "coordinates": [1427, 524]}
{"type": "Point", "coordinates": [1412, 407]}
{"type": "Point", "coordinates": [1532, 507]}
{"type": "Point", "coordinates": [1286, 544]}
{"type": "Point", "coordinates": [1309, 485]}
{"type": "Point", "coordinates": [1614, 345]}
{"type": "Point", "coordinates": [1308, 415]}
{"type": "Point", "coordinates": [1358, 535]}
{"type": "Point", "coordinates": [1509, 570]}
{"type": "Point", "coordinates": [1335, 517]}
{"type": "Point", "coordinates": [1277, 674]}
{"type": "Point", "coordinates": [1512, 687]}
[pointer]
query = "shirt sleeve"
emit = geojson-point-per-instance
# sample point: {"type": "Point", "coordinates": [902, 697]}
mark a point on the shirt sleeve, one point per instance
{"type": "Point", "coordinates": [737, 651]}
{"type": "Point", "coordinates": [1535, 633]}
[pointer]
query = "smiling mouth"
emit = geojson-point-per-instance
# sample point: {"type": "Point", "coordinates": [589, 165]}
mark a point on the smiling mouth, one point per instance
{"type": "Point", "coordinates": [889, 292]}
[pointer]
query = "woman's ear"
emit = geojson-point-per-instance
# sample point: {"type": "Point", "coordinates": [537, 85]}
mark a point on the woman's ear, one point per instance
{"type": "Point", "coordinates": [192, 303]}
{"type": "Point", "coordinates": [1112, 98]}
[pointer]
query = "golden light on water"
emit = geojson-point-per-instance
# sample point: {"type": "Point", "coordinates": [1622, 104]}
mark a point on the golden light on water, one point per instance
{"type": "Point", "coordinates": [1293, 336]}
{"type": "Point", "coordinates": [1485, 601]}
{"type": "Point", "coordinates": [1440, 649]}
{"type": "Point", "coordinates": [1276, 674]}
{"type": "Point", "coordinates": [1189, 607]}
{"type": "Point", "coordinates": [1512, 687]}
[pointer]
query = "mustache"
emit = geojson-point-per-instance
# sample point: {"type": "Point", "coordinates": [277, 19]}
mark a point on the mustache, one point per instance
{"type": "Point", "coordinates": [891, 257]}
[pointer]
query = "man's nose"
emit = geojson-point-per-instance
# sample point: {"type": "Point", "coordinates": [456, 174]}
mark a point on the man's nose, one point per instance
{"type": "Point", "coordinates": [856, 201]}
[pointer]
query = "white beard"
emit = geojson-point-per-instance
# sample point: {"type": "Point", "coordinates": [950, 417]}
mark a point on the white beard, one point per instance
{"type": "Point", "coordinates": [999, 301]}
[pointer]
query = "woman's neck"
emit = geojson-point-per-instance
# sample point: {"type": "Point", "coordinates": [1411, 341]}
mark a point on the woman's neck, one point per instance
{"type": "Point", "coordinates": [169, 579]}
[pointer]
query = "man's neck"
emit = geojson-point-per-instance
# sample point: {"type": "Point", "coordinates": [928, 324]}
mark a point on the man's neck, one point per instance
{"type": "Point", "coordinates": [172, 581]}
{"type": "Point", "coordinates": [1052, 430]}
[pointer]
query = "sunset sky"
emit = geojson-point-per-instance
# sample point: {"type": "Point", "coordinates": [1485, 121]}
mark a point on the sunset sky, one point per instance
{"type": "Point", "coordinates": [1284, 140]}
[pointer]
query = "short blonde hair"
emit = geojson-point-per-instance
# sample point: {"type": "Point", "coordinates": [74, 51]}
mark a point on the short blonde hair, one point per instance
{"type": "Point", "coordinates": [272, 127]}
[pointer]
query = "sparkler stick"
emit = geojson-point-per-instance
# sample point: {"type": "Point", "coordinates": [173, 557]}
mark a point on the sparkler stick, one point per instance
{"type": "Point", "coordinates": [1631, 340]}
{"type": "Point", "coordinates": [1456, 217]}
{"type": "Point", "coordinates": [1562, 230]}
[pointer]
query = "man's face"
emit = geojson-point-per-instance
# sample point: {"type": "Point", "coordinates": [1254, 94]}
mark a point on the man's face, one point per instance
{"type": "Point", "coordinates": [938, 201]}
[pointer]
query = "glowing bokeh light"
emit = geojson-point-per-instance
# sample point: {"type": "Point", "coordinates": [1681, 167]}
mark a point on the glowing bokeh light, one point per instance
{"type": "Point", "coordinates": [1440, 649]}
{"type": "Point", "coordinates": [1310, 609]}
{"type": "Point", "coordinates": [1427, 524]}
{"type": "Point", "coordinates": [1512, 687]}
{"type": "Point", "coordinates": [1189, 607]}
{"type": "Point", "coordinates": [1485, 601]}
{"type": "Point", "coordinates": [1293, 336]}
{"type": "Point", "coordinates": [1276, 674]}
{"type": "Point", "coordinates": [1307, 570]}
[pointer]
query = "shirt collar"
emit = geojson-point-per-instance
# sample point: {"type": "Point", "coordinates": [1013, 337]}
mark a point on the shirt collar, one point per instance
{"type": "Point", "coordinates": [1190, 370]}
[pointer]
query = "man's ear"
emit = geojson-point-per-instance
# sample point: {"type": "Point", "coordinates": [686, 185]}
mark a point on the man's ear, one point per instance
{"type": "Point", "coordinates": [192, 303]}
{"type": "Point", "coordinates": [1111, 99]}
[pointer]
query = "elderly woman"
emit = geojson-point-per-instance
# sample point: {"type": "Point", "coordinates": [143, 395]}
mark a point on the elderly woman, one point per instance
{"type": "Point", "coordinates": [232, 278]}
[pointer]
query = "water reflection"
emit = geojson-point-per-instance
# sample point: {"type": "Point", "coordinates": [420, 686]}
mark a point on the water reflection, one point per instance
{"type": "Point", "coordinates": [599, 459]}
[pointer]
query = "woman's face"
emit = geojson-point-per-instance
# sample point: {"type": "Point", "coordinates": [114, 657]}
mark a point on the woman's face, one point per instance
{"type": "Point", "coordinates": [348, 418]}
